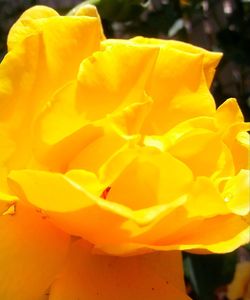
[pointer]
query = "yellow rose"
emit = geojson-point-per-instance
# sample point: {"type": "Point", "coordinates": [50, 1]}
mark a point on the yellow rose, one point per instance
{"type": "Point", "coordinates": [112, 148]}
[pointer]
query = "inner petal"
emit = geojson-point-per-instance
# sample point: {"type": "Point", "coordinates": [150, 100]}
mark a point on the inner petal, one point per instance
{"type": "Point", "coordinates": [151, 178]}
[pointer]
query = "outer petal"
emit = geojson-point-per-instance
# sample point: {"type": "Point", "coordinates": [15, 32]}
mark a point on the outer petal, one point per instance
{"type": "Point", "coordinates": [230, 122]}
{"type": "Point", "coordinates": [209, 234]}
{"type": "Point", "coordinates": [90, 277]}
{"type": "Point", "coordinates": [175, 102]}
{"type": "Point", "coordinates": [40, 57]}
{"type": "Point", "coordinates": [31, 72]}
{"type": "Point", "coordinates": [228, 113]}
{"type": "Point", "coordinates": [90, 10]}
{"type": "Point", "coordinates": [219, 234]}
{"type": "Point", "coordinates": [85, 208]}
{"type": "Point", "coordinates": [210, 59]}
{"type": "Point", "coordinates": [32, 253]}
{"type": "Point", "coordinates": [24, 26]}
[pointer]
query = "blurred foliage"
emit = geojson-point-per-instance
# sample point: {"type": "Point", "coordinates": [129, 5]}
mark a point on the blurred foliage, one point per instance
{"type": "Point", "coordinates": [208, 275]}
{"type": "Point", "coordinates": [212, 24]}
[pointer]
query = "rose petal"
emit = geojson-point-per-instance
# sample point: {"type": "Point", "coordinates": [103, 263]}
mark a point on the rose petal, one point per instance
{"type": "Point", "coordinates": [237, 193]}
{"type": "Point", "coordinates": [237, 140]}
{"type": "Point", "coordinates": [172, 103]}
{"type": "Point", "coordinates": [103, 82]}
{"type": "Point", "coordinates": [105, 138]}
{"type": "Point", "coordinates": [219, 234]}
{"type": "Point", "coordinates": [151, 178]}
{"type": "Point", "coordinates": [89, 276]}
{"type": "Point", "coordinates": [84, 209]}
{"type": "Point", "coordinates": [32, 253]}
{"type": "Point", "coordinates": [205, 200]}
{"type": "Point", "coordinates": [210, 59]}
{"type": "Point", "coordinates": [228, 113]}
{"type": "Point", "coordinates": [40, 59]}
{"type": "Point", "coordinates": [24, 26]}
{"type": "Point", "coordinates": [207, 234]}
{"type": "Point", "coordinates": [203, 152]}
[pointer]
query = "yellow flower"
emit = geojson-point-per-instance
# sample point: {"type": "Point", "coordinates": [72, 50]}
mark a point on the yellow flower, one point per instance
{"type": "Point", "coordinates": [111, 149]}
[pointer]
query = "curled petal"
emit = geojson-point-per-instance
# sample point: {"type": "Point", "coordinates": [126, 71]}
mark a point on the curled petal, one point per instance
{"type": "Point", "coordinates": [205, 200]}
{"type": "Point", "coordinates": [189, 236]}
{"type": "Point", "coordinates": [210, 59]}
{"type": "Point", "coordinates": [229, 113]}
{"type": "Point", "coordinates": [237, 193]}
{"type": "Point", "coordinates": [85, 208]}
{"type": "Point", "coordinates": [174, 103]}
{"type": "Point", "coordinates": [151, 178]}
{"type": "Point", "coordinates": [103, 82]}
{"type": "Point", "coordinates": [37, 61]}
{"type": "Point", "coordinates": [29, 23]}
{"type": "Point", "coordinates": [202, 151]}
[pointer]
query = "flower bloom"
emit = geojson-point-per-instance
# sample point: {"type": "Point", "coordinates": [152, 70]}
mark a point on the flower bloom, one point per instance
{"type": "Point", "coordinates": [113, 158]}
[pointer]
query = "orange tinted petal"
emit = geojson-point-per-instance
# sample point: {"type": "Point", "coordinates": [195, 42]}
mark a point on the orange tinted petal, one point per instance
{"type": "Point", "coordinates": [32, 253]}
{"type": "Point", "coordinates": [89, 276]}
{"type": "Point", "coordinates": [219, 245]}
{"type": "Point", "coordinates": [84, 209]}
